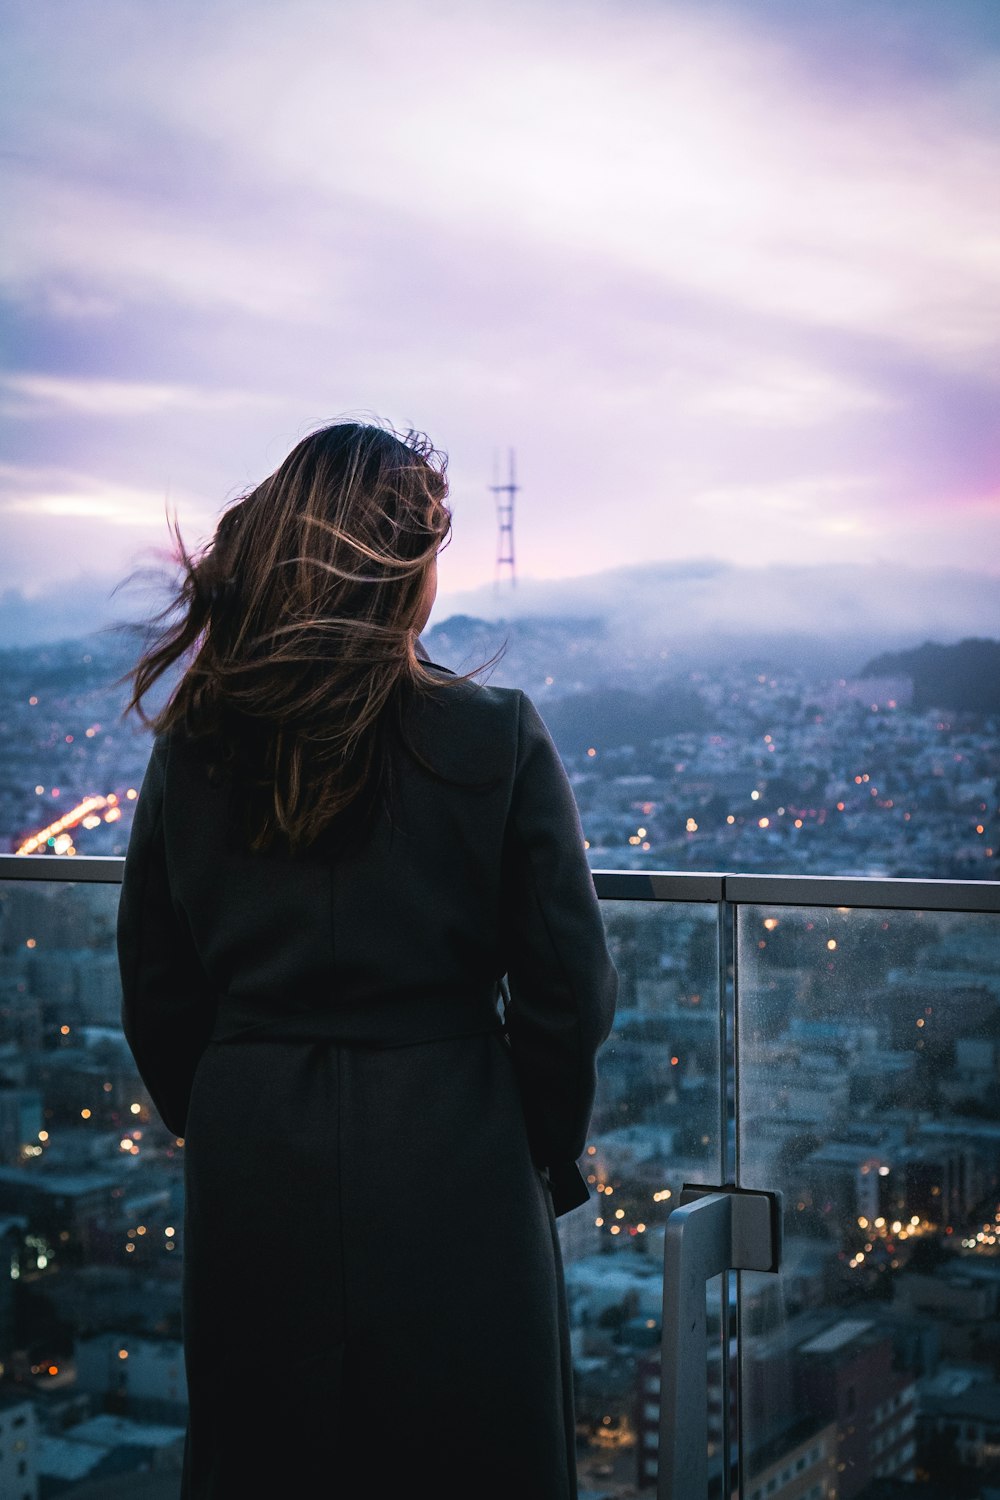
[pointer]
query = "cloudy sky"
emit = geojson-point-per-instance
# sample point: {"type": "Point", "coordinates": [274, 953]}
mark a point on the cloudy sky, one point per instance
{"type": "Point", "coordinates": [725, 276]}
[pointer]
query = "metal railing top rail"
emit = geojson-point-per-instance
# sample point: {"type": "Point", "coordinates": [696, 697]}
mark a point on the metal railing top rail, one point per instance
{"type": "Point", "coordinates": [105, 869]}
{"type": "Point", "coordinates": [880, 893]}
{"type": "Point", "coordinates": [873, 892]}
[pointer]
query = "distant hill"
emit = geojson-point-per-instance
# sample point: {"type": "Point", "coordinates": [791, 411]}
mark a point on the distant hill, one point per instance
{"type": "Point", "coordinates": [655, 617]}
{"type": "Point", "coordinates": [964, 677]}
{"type": "Point", "coordinates": [823, 619]}
{"type": "Point", "coordinates": [548, 657]}
{"type": "Point", "coordinates": [608, 717]}
{"type": "Point", "coordinates": [590, 690]}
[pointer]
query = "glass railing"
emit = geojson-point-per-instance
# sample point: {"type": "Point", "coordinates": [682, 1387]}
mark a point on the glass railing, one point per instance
{"type": "Point", "coordinates": [835, 1043]}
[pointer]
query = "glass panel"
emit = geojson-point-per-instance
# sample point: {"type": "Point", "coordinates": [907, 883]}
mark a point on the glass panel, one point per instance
{"type": "Point", "coordinates": [91, 1207]}
{"type": "Point", "coordinates": [869, 1057]}
{"type": "Point", "coordinates": [656, 1126]}
{"type": "Point", "coordinates": [91, 1183]}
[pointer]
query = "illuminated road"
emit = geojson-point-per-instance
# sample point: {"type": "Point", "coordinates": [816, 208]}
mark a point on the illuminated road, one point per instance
{"type": "Point", "coordinates": [88, 813]}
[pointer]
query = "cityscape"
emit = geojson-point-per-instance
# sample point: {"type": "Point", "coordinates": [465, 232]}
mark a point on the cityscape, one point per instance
{"type": "Point", "coordinates": [698, 305]}
{"type": "Point", "coordinates": [754, 765]}
{"type": "Point", "coordinates": [868, 1047]}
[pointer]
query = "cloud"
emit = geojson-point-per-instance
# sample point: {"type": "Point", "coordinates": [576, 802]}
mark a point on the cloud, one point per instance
{"type": "Point", "coordinates": [33, 395]}
{"type": "Point", "coordinates": [720, 294]}
{"type": "Point", "coordinates": [782, 394]}
{"type": "Point", "coordinates": [692, 606]}
{"type": "Point", "coordinates": [39, 494]}
{"type": "Point", "coordinates": [809, 499]}
{"type": "Point", "coordinates": [650, 141]}
{"type": "Point", "coordinates": [679, 603]}
{"type": "Point", "coordinates": [127, 253]}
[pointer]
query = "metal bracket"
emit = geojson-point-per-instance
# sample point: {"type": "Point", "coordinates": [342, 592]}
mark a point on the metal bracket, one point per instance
{"type": "Point", "coordinates": [713, 1229]}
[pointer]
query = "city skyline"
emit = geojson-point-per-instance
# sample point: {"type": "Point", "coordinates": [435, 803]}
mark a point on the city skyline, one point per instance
{"type": "Point", "coordinates": [723, 277]}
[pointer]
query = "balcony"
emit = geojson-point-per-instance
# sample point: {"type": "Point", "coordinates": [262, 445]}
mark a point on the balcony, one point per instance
{"type": "Point", "coordinates": [832, 1042]}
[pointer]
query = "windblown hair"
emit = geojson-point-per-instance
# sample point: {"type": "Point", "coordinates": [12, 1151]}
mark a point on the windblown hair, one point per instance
{"type": "Point", "coordinates": [298, 624]}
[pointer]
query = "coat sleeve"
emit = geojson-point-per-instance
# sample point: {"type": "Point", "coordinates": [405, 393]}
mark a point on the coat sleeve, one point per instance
{"type": "Point", "coordinates": [562, 983]}
{"type": "Point", "coordinates": [168, 1007]}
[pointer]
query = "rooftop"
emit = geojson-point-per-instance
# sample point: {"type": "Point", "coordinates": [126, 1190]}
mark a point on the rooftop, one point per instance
{"type": "Point", "coordinates": [837, 1337]}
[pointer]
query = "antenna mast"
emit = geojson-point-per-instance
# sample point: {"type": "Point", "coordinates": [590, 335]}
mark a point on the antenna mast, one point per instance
{"type": "Point", "coordinates": [505, 519]}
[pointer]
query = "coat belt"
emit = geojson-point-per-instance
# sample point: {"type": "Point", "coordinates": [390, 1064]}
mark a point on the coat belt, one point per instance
{"type": "Point", "coordinates": [387, 1021]}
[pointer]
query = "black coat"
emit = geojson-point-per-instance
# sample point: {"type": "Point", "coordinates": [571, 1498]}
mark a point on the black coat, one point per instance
{"type": "Point", "coordinates": [373, 1291]}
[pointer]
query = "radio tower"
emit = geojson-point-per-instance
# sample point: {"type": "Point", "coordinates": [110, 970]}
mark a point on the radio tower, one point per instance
{"type": "Point", "coordinates": [505, 520]}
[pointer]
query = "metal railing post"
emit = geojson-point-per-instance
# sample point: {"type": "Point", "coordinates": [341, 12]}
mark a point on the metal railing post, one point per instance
{"type": "Point", "coordinates": [714, 1229]}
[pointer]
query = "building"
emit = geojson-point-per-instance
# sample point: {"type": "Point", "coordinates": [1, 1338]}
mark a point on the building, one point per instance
{"type": "Point", "coordinates": [971, 1419]}
{"type": "Point", "coordinates": [139, 1375]}
{"type": "Point", "coordinates": [19, 1438]}
{"type": "Point", "coordinates": [846, 1373]}
{"type": "Point", "coordinates": [798, 1464]}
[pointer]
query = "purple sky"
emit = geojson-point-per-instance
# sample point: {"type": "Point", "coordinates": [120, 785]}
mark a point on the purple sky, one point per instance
{"type": "Point", "coordinates": [726, 276]}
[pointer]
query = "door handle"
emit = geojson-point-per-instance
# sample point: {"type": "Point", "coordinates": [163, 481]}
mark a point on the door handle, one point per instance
{"type": "Point", "coordinates": [713, 1229]}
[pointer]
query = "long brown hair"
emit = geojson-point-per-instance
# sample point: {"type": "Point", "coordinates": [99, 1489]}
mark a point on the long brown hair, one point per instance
{"type": "Point", "coordinates": [298, 623]}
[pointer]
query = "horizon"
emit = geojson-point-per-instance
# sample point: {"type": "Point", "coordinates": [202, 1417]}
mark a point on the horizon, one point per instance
{"type": "Point", "coordinates": [679, 602]}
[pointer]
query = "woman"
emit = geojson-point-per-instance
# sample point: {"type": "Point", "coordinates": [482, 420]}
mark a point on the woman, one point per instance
{"type": "Point", "coordinates": [342, 855]}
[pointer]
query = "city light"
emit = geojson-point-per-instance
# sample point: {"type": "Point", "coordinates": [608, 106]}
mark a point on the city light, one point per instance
{"type": "Point", "coordinates": [687, 801]}
{"type": "Point", "coordinates": [51, 834]}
